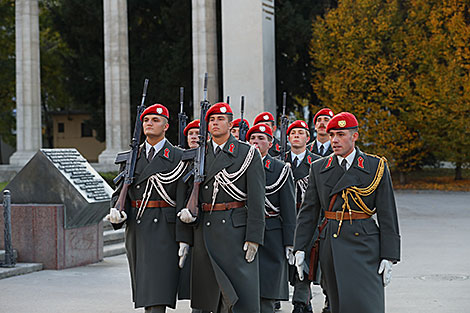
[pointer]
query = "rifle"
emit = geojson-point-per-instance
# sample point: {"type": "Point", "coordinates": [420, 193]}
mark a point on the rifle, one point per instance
{"type": "Point", "coordinates": [182, 118]}
{"type": "Point", "coordinates": [200, 156]}
{"type": "Point", "coordinates": [228, 99]}
{"type": "Point", "coordinates": [284, 125]}
{"type": "Point", "coordinates": [243, 129]}
{"type": "Point", "coordinates": [130, 156]}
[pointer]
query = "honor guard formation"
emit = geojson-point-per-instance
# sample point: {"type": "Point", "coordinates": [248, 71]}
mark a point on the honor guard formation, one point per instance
{"type": "Point", "coordinates": [232, 216]}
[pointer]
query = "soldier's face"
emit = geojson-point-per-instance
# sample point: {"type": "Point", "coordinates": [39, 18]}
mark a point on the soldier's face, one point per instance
{"type": "Point", "coordinates": [219, 125]}
{"type": "Point", "coordinates": [320, 124]}
{"type": "Point", "coordinates": [193, 137]}
{"type": "Point", "coordinates": [298, 138]}
{"type": "Point", "coordinates": [235, 131]}
{"type": "Point", "coordinates": [261, 142]}
{"type": "Point", "coordinates": [154, 125]}
{"type": "Point", "coordinates": [343, 141]}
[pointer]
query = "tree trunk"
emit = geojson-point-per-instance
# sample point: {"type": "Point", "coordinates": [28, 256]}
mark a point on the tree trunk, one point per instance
{"type": "Point", "coordinates": [402, 178]}
{"type": "Point", "coordinates": [458, 171]}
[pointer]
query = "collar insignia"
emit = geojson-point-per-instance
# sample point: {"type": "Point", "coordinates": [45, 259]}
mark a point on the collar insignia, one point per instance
{"type": "Point", "coordinates": [231, 147]}
{"type": "Point", "coordinates": [329, 162]}
{"type": "Point", "coordinates": [166, 153]}
{"type": "Point", "coordinates": [268, 163]}
{"type": "Point", "coordinates": [360, 162]}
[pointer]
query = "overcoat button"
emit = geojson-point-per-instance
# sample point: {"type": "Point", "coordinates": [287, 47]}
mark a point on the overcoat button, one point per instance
{"type": "Point", "coordinates": [208, 224]}
{"type": "Point", "coordinates": [138, 221]}
{"type": "Point", "coordinates": [334, 235]}
{"type": "Point", "coordinates": [356, 234]}
{"type": "Point", "coordinates": [206, 187]}
{"type": "Point", "coordinates": [223, 221]}
{"type": "Point", "coordinates": [155, 220]}
{"type": "Point", "coordinates": [137, 187]}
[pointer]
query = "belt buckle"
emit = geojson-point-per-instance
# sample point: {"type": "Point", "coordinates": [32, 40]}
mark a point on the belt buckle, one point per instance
{"type": "Point", "coordinates": [338, 217]}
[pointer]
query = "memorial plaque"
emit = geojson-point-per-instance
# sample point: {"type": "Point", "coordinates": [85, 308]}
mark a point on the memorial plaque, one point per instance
{"type": "Point", "coordinates": [63, 176]}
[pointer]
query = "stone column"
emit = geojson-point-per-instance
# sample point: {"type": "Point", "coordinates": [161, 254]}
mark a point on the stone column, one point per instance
{"type": "Point", "coordinates": [28, 84]}
{"type": "Point", "coordinates": [116, 69]}
{"type": "Point", "coordinates": [248, 55]}
{"type": "Point", "coordinates": [204, 51]}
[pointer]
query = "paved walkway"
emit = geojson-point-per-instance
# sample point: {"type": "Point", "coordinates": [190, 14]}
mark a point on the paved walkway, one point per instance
{"type": "Point", "coordinates": [432, 277]}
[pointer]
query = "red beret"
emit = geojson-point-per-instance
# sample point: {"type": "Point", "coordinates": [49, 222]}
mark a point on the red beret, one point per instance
{"type": "Point", "coordinates": [263, 118]}
{"type": "Point", "coordinates": [260, 128]}
{"type": "Point", "coordinates": [324, 111]}
{"type": "Point", "coordinates": [343, 120]}
{"type": "Point", "coordinates": [298, 124]}
{"type": "Point", "coordinates": [193, 124]}
{"type": "Point", "coordinates": [219, 108]}
{"type": "Point", "coordinates": [236, 122]}
{"type": "Point", "coordinates": [157, 109]}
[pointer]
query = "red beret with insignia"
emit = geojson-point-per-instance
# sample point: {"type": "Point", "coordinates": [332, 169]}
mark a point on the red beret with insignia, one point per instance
{"type": "Point", "coordinates": [193, 124]}
{"type": "Point", "coordinates": [343, 120]}
{"type": "Point", "coordinates": [219, 108]}
{"type": "Point", "coordinates": [324, 111]}
{"type": "Point", "coordinates": [263, 118]}
{"type": "Point", "coordinates": [261, 128]}
{"type": "Point", "coordinates": [236, 122]}
{"type": "Point", "coordinates": [157, 109]}
{"type": "Point", "coordinates": [298, 124]}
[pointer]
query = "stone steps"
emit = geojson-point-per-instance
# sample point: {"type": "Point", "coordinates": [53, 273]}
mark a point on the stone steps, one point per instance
{"type": "Point", "coordinates": [113, 240]}
{"type": "Point", "coordinates": [19, 268]}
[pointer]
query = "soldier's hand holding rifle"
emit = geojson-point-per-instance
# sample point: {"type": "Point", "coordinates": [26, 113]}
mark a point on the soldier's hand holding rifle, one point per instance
{"type": "Point", "coordinates": [251, 248]}
{"type": "Point", "coordinates": [186, 216]}
{"type": "Point", "coordinates": [385, 269]}
{"type": "Point", "coordinates": [115, 216]}
{"type": "Point", "coordinates": [299, 263]}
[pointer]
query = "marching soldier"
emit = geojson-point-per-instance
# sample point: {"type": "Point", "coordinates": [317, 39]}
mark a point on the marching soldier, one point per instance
{"type": "Point", "coordinates": [230, 225]}
{"type": "Point", "coordinates": [154, 237]}
{"type": "Point", "coordinates": [300, 159]}
{"type": "Point", "coordinates": [268, 118]}
{"type": "Point", "coordinates": [356, 255]}
{"type": "Point", "coordinates": [191, 131]}
{"type": "Point", "coordinates": [321, 145]}
{"type": "Point", "coordinates": [280, 222]}
{"type": "Point", "coordinates": [235, 130]}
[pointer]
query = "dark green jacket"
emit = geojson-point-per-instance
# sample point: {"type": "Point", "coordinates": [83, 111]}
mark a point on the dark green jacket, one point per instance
{"type": "Point", "coordinates": [152, 241]}
{"type": "Point", "coordinates": [218, 260]}
{"type": "Point", "coordinates": [279, 232]}
{"type": "Point", "coordinates": [350, 261]}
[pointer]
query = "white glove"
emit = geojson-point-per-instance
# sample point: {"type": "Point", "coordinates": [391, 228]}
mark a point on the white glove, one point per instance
{"type": "Point", "coordinates": [299, 263]}
{"type": "Point", "coordinates": [385, 269]}
{"type": "Point", "coordinates": [115, 216]}
{"type": "Point", "coordinates": [251, 248]}
{"type": "Point", "coordinates": [186, 216]}
{"type": "Point", "coordinates": [183, 253]}
{"type": "Point", "coordinates": [290, 255]}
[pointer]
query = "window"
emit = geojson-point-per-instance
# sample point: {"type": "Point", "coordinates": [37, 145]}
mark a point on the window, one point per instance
{"type": "Point", "coordinates": [60, 127]}
{"type": "Point", "coordinates": [86, 130]}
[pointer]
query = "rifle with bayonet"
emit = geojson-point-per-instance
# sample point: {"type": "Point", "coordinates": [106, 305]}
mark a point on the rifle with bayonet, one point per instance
{"type": "Point", "coordinates": [243, 129]}
{"type": "Point", "coordinates": [200, 155]}
{"type": "Point", "coordinates": [284, 126]}
{"type": "Point", "coordinates": [182, 120]}
{"type": "Point", "coordinates": [130, 157]}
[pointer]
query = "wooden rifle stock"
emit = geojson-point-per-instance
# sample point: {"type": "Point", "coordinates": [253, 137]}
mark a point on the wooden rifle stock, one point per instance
{"type": "Point", "coordinates": [193, 200]}
{"type": "Point", "coordinates": [120, 204]}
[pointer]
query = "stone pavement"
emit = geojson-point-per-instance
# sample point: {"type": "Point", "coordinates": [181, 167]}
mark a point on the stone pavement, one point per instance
{"type": "Point", "coordinates": [432, 277]}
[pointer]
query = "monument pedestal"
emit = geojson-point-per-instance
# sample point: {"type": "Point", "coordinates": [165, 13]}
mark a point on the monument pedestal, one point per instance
{"type": "Point", "coordinates": [39, 236]}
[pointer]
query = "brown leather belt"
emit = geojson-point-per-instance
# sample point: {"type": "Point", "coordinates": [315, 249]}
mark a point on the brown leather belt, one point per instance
{"type": "Point", "coordinates": [336, 215]}
{"type": "Point", "coordinates": [151, 204]}
{"type": "Point", "coordinates": [206, 207]}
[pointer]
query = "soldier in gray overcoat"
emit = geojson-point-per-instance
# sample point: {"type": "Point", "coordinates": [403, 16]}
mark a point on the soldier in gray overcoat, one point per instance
{"type": "Point", "coordinates": [300, 159]}
{"type": "Point", "coordinates": [356, 254]}
{"type": "Point", "coordinates": [154, 236]}
{"type": "Point", "coordinates": [321, 145]}
{"type": "Point", "coordinates": [230, 225]}
{"type": "Point", "coordinates": [280, 222]}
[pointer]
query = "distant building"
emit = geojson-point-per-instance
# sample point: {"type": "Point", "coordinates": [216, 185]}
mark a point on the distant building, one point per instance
{"type": "Point", "coordinates": [71, 131]}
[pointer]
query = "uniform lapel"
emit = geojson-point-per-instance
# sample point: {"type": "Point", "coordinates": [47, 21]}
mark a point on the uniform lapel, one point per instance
{"type": "Point", "coordinates": [160, 162]}
{"type": "Point", "coordinates": [224, 159]}
{"type": "Point", "coordinates": [355, 175]}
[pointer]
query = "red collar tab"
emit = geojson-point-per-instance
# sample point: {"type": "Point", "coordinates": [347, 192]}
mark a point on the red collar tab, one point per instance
{"type": "Point", "coordinates": [166, 153]}
{"type": "Point", "coordinates": [329, 162]}
{"type": "Point", "coordinates": [231, 147]}
{"type": "Point", "coordinates": [309, 159]}
{"type": "Point", "coordinates": [360, 162]}
{"type": "Point", "coordinates": [267, 164]}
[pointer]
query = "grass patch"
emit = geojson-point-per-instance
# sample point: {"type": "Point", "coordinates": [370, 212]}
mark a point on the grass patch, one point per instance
{"type": "Point", "coordinates": [108, 177]}
{"type": "Point", "coordinates": [434, 179]}
{"type": "Point", "coordinates": [3, 185]}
